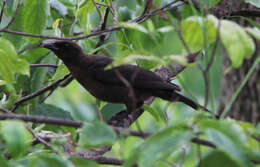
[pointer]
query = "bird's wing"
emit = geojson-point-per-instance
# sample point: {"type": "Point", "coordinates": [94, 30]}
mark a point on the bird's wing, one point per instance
{"type": "Point", "coordinates": [136, 76]}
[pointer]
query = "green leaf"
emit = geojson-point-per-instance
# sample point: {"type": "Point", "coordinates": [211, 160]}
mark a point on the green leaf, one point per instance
{"type": "Point", "coordinates": [16, 136]}
{"type": "Point", "coordinates": [96, 134]}
{"type": "Point", "coordinates": [236, 42]}
{"type": "Point", "coordinates": [39, 77]}
{"type": "Point", "coordinates": [210, 3]}
{"type": "Point", "coordinates": [35, 17]}
{"type": "Point", "coordinates": [1, 81]}
{"type": "Point", "coordinates": [199, 32]}
{"type": "Point", "coordinates": [218, 158]}
{"type": "Point", "coordinates": [228, 137]}
{"type": "Point", "coordinates": [10, 63]}
{"type": "Point", "coordinates": [111, 109]}
{"type": "Point", "coordinates": [160, 145]}
{"type": "Point", "coordinates": [17, 25]}
{"type": "Point", "coordinates": [53, 160]}
{"type": "Point", "coordinates": [255, 32]}
{"type": "Point", "coordinates": [146, 60]}
{"type": "Point", "coordinates": [3, 161]}
{"type": "Point", "coordinates": [133, 26]}
{"type": "Point", "coordinates": [39, 159]}
{"type": "Point", "coordinates": [254, 2]}
{"type": "Point", "coordinates": [80, 162]}
{"type": "Point", "coordinates": [50, 110]}
{"type": "Point", "coordinates": [84, 15]}
{"type": "Point", "coordinates": [61, 71]}
{"type": "Point", "coordinates": [156, 115]}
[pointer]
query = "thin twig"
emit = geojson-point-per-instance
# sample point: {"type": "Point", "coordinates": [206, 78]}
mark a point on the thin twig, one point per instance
{"type": "Point", "coordinates": [67, 81]}
{"type": "Point", "coordinates": [41, 119]}
{"type": "Point", "coordinates": [102, 159]}
{"type": "Point", "coordinates": [39, 92]}
{"type": "Point", "coordinates": [2, 11]}
{"type": "Point", "coordinates": [206, 71]}
{"type": "Point", "coordinates": [44, 65]}
{"type": "Point", "coordinates": [96, 33]}
{"type": "Point", "coordinates": [147, 7]}
{"type": "Point", "coordinates": [30, 47]}
{"type": "Point", "coordinates": [164, 8]}
{"type": "Point", "coordinates": [5, 110]}
{"type": "Point", "coordinates": [246, 13]}
{"type": "Point", "coordinates": [37, 137]}
{"type": "Point", "coordinates": [103, 27]}
{"type": "Point", "coordinates": [102, 4]}
{"type": "Point", "coordinates": [15, 14]}
{"type": "Point", "coordinates": [115, 18]}
{"type": "Point", "coordinates": [99, 12]}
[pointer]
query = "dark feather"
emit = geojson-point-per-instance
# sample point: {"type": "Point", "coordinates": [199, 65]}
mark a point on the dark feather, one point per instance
{"type": "Point", "coordinates": [135, 75]}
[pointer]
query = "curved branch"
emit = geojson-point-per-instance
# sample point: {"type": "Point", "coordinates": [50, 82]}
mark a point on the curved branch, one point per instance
{"type": "Point", "coordinates": [39, 92]}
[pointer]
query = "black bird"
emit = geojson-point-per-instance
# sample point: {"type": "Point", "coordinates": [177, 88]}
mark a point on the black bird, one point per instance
{"type": "Point", "coordinates": [127, 84]}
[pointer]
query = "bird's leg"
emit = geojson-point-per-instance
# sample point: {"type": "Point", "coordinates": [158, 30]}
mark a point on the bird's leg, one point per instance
{"type": "Point", "coordinates": [131, 107]}
{"type": "Point", "coordinates": [139, 104]}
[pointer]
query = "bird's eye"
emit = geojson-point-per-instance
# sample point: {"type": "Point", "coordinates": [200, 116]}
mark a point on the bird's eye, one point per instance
{"type": "Point", "coordinates": [66, 45]}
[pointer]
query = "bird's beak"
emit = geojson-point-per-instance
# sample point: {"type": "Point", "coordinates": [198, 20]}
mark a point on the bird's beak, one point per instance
{"type": "Point", "coordinates": [50, 44]}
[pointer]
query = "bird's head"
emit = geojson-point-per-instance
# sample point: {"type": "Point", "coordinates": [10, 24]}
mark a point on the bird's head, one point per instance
{"type": "Point", "coordinates": [64, 49]}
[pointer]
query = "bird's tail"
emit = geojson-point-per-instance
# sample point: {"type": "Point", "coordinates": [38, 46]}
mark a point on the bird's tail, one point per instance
{"type": "Point", "coordinates": [190, 102]}
{"type": "Point", "coordinates": [174, 96]}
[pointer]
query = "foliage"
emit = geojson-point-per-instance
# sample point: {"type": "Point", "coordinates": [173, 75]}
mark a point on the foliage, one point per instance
{"type": "Point", "coordinates": [168, 36]}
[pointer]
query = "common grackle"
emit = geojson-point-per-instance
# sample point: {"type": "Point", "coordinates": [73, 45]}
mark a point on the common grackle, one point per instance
{"type": "Point", "coordinates": [127, 84]}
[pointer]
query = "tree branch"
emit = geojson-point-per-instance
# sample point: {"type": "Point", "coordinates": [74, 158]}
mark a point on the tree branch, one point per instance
{"type": "Point", "coordinates": [77, 124]}
{"type": "Point", "coordinates": [44, 65]}
{"type": "Point", "coordinates": [39, 92]}
{"type": "Point", "coordinates": [246, 13]}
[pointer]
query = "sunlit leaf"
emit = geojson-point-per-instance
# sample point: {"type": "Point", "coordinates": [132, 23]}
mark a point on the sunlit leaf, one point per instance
{"type": "Point", "coordinates": [165, 29]}
{"type": "Point", "coordinates": [84, 15]}
{"type": "Point", "coordinates": [133, 26]}
{"type": "Point", "coordinates": [199, 32]}
{"type": "Point", "coordinates": [236, 42]}
{"type": "Point", "coordinates": [255, 32]}
{"type": "Point", "coordinates": [56, 28]}
{"type": "Point", "coordinates": [176, 58]}
{"type": "Point", "coordinates": [10, 63]}
{"type": "Point", "coordinates": [61, 71]}
{"type": "Point", "coordinates": [146, 60]}
{"type": "Point", "coordinates": [156, 115]}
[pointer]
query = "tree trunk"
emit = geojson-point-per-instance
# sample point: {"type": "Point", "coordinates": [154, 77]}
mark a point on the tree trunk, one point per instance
{"type": "Point", "coordinates": [247, 105]}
